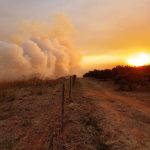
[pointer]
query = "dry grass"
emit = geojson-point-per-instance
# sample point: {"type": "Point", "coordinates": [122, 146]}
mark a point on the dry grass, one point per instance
{"type": "Point", "coordinates": [26, 121]}
{"type": "Point", "coordinates": [7, 142]}
{"type": "Point", "coordinates": [82, 124]}
{"type": "Point", "coordinates": [29, 109]}
{"type": "Point", "coordinates": [25, 112]}
{"type": "Point", "coordinates": [7, 95]}
{"type": "Point", "coordinates": [32, 82]}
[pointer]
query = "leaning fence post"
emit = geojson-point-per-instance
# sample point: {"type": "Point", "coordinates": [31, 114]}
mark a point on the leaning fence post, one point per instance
{"type": "Point", "coordinates": [70, 87]}
{"type": "Point", "coordinates": [62, 106]}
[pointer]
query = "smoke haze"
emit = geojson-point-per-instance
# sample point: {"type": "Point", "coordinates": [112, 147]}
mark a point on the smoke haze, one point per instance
{"type": "Point", "coordinates": [39, 49]}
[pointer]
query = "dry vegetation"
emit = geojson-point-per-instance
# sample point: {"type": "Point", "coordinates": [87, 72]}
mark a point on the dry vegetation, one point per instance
{"type": "Point", "coordinates": [96, 117]}
{"type": "Point", "coordinates": [30, 115]}
{"type": "Point", "coordinates": [126, 78]}
{"type": "Point", "coordinates": [25, 111]}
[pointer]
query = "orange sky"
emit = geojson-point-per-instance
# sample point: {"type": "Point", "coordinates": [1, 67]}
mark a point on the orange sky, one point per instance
{"type": "Point", "coordinates": [106, 32]}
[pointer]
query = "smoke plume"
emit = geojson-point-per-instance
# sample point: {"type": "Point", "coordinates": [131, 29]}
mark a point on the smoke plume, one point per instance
{"type": "Point", "coordinates": [39, 49]}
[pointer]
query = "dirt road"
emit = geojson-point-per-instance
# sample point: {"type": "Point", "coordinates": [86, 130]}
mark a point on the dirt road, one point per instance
{"type": "Point", "coordinates": [126, 118]}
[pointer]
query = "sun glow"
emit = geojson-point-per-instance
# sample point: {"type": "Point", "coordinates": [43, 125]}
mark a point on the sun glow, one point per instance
{"type": "Point", "coordinates": [139, 60]}
{"type": "Point", "coordinates": [97, 60]}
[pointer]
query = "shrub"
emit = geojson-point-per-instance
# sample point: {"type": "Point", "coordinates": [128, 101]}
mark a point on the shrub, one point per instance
{"type": "Point", "coordinates": [126, 77]}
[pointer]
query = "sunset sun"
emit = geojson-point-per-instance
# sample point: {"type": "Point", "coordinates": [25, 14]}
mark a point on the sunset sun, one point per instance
{"type": "Point", "coordinates": [139, 60]}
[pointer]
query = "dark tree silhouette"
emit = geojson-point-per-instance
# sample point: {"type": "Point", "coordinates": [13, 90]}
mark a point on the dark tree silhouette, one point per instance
{"type": "Point", "coordinates": [126, 77]}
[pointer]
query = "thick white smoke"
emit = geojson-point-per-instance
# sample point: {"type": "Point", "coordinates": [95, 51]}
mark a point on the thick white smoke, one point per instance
{"type": "Point", "coordinates": [44, 52]}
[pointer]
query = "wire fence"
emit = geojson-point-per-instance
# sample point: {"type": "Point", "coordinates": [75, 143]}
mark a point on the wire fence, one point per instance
{"type": "Point", "coordinates": [54, 133]}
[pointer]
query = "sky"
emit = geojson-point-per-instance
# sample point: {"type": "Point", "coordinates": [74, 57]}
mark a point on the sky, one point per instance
{"type": "Point", "coordinates": [107, 31]}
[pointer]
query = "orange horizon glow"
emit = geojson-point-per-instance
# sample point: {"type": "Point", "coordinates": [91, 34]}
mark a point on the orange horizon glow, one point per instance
{"type": "Point", "coordinates": [90, 62]}
{"type": "Point", "coordinates": [140, 59]}
{"type": "Point", "coordinates": [108, 61]}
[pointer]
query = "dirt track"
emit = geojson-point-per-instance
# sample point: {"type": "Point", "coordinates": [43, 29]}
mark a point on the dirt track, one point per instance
{"type": "Point", "coordinates": [126, 118]}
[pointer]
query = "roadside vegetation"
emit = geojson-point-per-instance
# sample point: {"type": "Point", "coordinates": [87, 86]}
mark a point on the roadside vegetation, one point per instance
{"type": "Point", "coordinates": [125, 77]}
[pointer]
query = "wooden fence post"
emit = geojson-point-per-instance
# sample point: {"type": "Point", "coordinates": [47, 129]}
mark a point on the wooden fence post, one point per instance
{"type": "Point", "coordinates": [62, 106]}
{"type": "Point", "coordinates": [70, 87]}
{"type": "Point", "coordinates": [73, 80]}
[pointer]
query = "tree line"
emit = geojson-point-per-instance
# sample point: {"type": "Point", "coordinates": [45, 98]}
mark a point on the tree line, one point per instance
{"type": "Point", "coordinates": [126, 77]}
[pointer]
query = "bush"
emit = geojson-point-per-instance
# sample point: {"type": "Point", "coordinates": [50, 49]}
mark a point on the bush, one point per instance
{"type": "Point", "coordinates": [126, 77]}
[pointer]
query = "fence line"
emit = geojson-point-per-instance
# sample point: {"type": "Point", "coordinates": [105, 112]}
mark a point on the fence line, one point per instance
{"type": "Point", "coordinates": [70, 87]}
{"type": "Point", "coordinates": [52, 137]}
{"type": "Point", "coordinates": [62, 106]}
